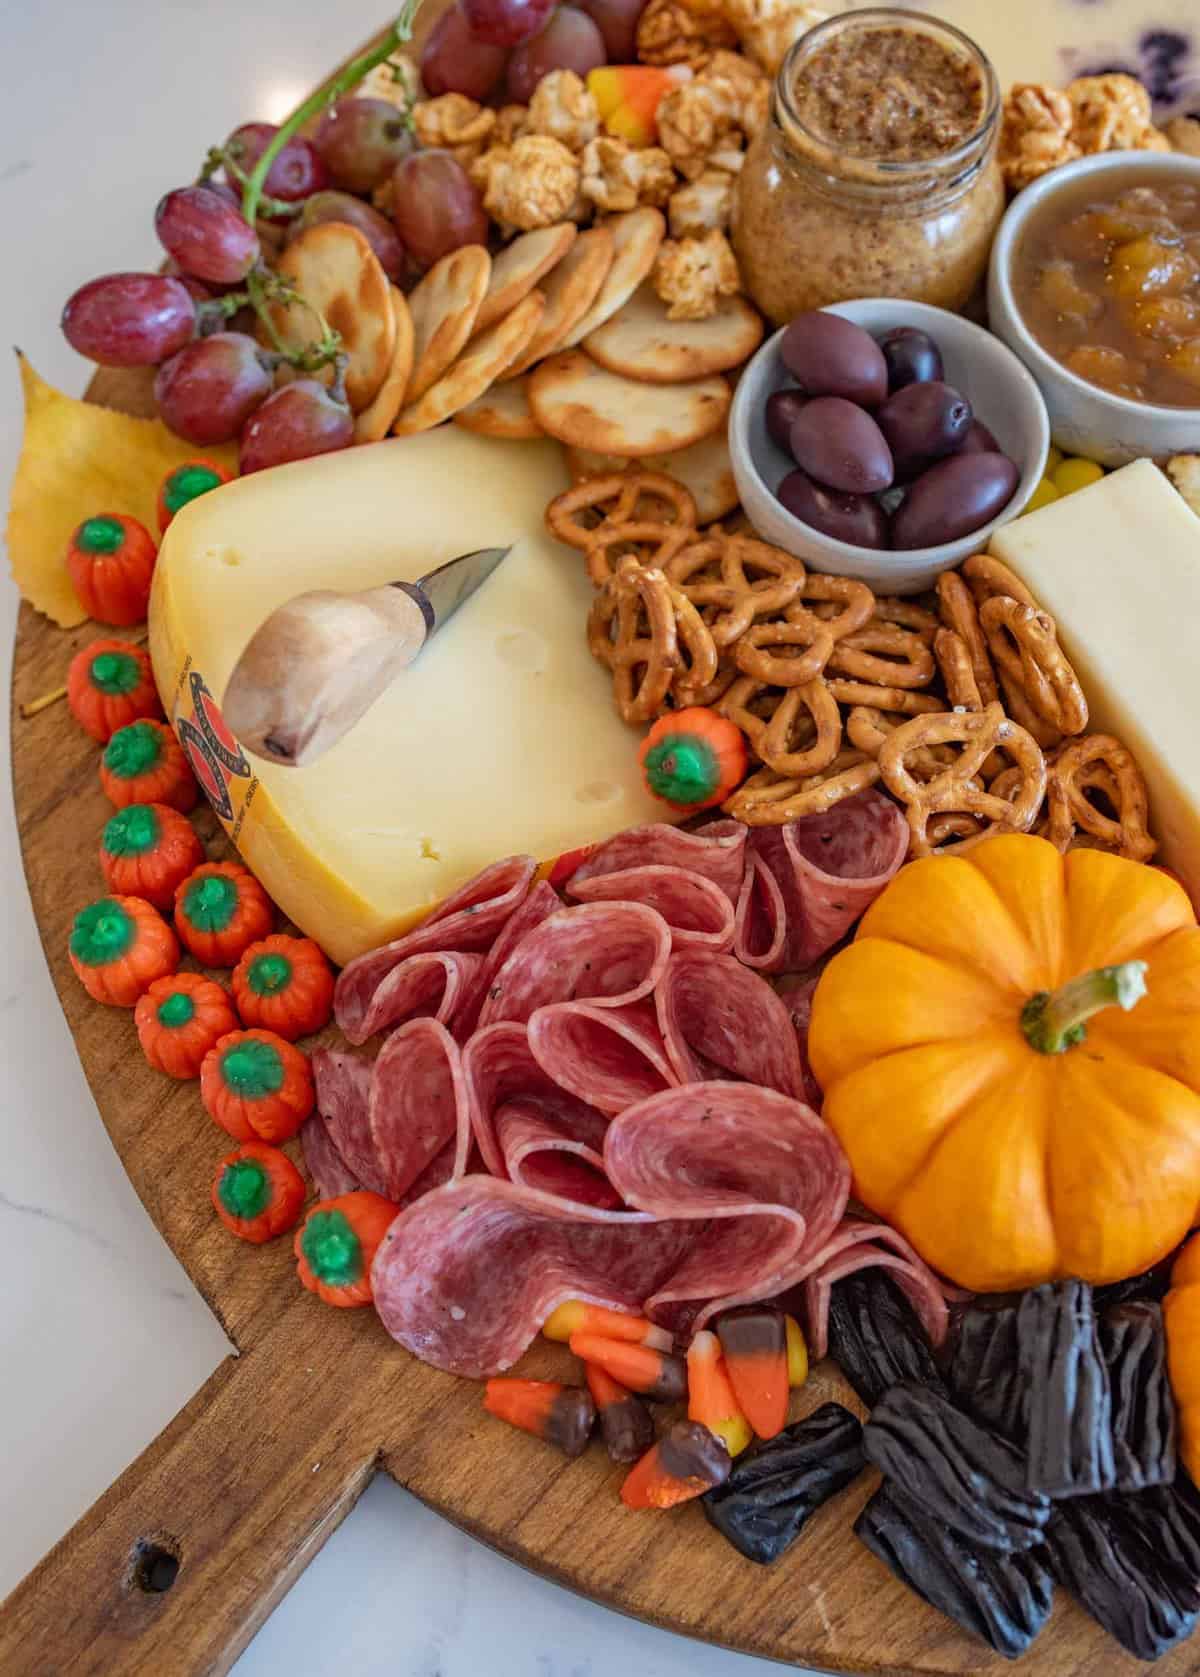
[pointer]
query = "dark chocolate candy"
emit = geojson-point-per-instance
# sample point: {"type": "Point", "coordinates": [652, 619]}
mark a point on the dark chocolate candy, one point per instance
{"type": "Point", "coordinates": [1143, 1409]}
{"type": "Point", "coordinates": [1068, 1402]}
{"type": "Point", "coordinates": [875, 1337]}
{"type": "Point", "coordinates": [1140, 1597]}
{"type": "Point", "coordinates": [984, 1374]}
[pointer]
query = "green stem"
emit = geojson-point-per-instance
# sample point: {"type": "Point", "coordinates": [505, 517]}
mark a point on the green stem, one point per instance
{"type": "Point", "coordinates": [264, 288]}
{"type": "Point", "coordinates": [330, 90]}
{"type": "Point", "coordinates": [1055, 1020]}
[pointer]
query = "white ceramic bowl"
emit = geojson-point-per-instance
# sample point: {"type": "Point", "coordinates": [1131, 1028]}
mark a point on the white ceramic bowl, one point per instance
{"type": "Point", "coordinates": [1003, 395]}
{"type": "Point", "coordinates": [1083, 418]}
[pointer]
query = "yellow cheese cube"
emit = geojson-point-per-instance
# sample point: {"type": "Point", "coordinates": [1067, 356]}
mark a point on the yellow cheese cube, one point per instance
{"type": "Point", "coordinates": [1118, 566]}
{"type": "Point", "coordinates": [501, 738]}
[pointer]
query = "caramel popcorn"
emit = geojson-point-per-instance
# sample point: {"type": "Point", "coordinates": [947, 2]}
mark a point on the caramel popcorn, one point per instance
{"type": "Point", "coordinates": [743, 88]}
{"type": "Point", "coordinates": [767, 28]}
{"type": "Point", "coordinates": [1035, 133]}
{"type": "Point", "coordinates": [563, 107]}
{"type": "Point", "coordinates": [702, 206]}
{"type": "Point", "coordinates": [670, 32]}
{"type": "Point", "coordinates": [1183, 134]}
{"type": "Point", "coordinates": [397, 80]}
{"type": "Point", "coordinates": [1184, 473]}
{"type": "Point", "coordinates": [692, 121]}
{"type": "Point", "coordinates": [691, 274]}
{"type": "Point", "coordinates": [616, 177]}
{"type": "Point", "coordinates": [1112, 113]}
{"type": "Point", "coordinates": [456, 124]}
{"type": "Point", "coordinates": [532, 183]}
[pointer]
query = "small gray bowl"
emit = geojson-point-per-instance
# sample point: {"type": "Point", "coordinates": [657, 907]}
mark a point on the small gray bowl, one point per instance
{"type": "Point", "coordinates": [1003, 395]}
{"type": "Point", "coordinates": [1084, 419]}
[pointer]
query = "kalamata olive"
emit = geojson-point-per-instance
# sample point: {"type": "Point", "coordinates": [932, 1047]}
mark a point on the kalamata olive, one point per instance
{"type": "Point", "coordinates": [840, 445]}
{"type": "Point", "coordinates": [829, 356]}
{"type": "Point", "coordinates": [923, 422]}
{"type": "Point", "coordinates": [783, 406]}
{"type": "Point", "coordinates": [847, 518]}
{"type": "Point", "coordinates": [912, 357]}
{"type": "Point", "coordinates": [953, 498]}
{"type": "Point", "coordinates": [979, 440]}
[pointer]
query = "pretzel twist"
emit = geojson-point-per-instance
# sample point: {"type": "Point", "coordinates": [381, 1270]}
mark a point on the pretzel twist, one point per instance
{"type": "Point", "coordinates": [987, 577]}
{"type": "Point", "coordinates": [768, 799]}
{"type": "Point", "coordinates": [959, 612]}
{"type": "Point", "coordinates": [575, 515]}
{"type": "Point", "coordinates": [843, 603]}
{"type": "Point", "coordinates": [958, 675]}
{"type": "Point", "coordinates": [889, 608]}
{"type": "Point", "coordinates": [907, 660]}
{"type": "Point", "coordinates": [1099, 763]}
{"type": "Point", "coordinates": [652, 544]}
{"type": "Point", "coordinates": [631, 629]}
{"type": "Point", "coordinates": [788, 669]}
{"type": "Point", "coordinates": [739, 578]}
{"type": "Point", "coordinates": [849, 692]}
{"type": "Point", "coordinates": [1024, 645]}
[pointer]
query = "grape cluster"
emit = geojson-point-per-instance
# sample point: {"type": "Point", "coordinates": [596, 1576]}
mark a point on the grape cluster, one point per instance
{"type": "Point", "coordinates": [503, 48]}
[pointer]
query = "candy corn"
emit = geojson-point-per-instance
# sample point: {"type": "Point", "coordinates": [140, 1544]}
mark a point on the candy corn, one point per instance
{"type": "Point", "coordinates": [574, 1316]}
{"type": "Point", "coordinates": [685, 1463]}
{"type": "Point", "coordinates": [710, 1395]}
{"type": "Point", "coordinates": [625, 1422]}
{"type": "Point", "coordinates": [797, 1353]}
{"type": "Point", "coordinates": [754, 1342]}
{"type": "Point", "coordinates": [561, 1415]}
{"type": "Point", "coordinates": [627, 96]}
{"type": "Point", "coordinates": [654, 1374]}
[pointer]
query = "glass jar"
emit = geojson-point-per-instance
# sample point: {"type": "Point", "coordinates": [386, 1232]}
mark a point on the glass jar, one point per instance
{"type": "Point", "coordinates": [879, 204]}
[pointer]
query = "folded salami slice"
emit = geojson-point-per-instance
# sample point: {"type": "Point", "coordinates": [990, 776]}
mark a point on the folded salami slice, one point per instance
{"type": "Point", "coordinates": [608, 1056]}
{"type": "Point", "coordinates": [862, 1245]}
{"type": "Point", "coordinates": [330, 1174]}
{"type": "Point", "coordinates": [555, 1143]}
{"type": "Point", "coordinates": [796, 993]}
{"type": "Point", "coordinates": [718, 1020]}
{"type": "Point", "coordinates": [760, 922]}
{"type": "Point", "coordinates": [498, 1067]}
{"type": "Point", "coordinates": [417, 1103]}
{"type": "Point", "coordinates": [438, 1172]}
{"type": "Point", "coordinates": [343, 1085]}
{"type": "Point", "coordinates": [470, 919]}
{"type": "Point", "coordinates": [439, 984]}
{"type": "Point", "coordinates": [610, 953]}
{"type": "Point", "coordinates": [716, 851]}
{"type": "Point", "coordinates": [697, 911]}
{"type": "Point", "coordinates": [542, 901]}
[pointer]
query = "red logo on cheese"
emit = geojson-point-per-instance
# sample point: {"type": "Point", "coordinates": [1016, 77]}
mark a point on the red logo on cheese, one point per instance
{"type": "Point", "coordinates": [207, 770]}
{"type": "Point", "coordinates": [221, 743]}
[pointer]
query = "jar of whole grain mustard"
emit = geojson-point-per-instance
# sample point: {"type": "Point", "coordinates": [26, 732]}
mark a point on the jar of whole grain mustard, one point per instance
{"type": "Point", "coordinates": [875, 174]}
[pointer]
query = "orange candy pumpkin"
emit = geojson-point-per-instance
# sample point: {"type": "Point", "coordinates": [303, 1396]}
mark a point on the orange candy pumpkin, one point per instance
{"type": "Point", "coordinates": [220, 910]}
{"type": "Point", "coordinates": [256, 1086]}
{"type": "Point", "coordinates": [109, 685]}
{"type": "Point", "coordinates": [179, 1019]}
{"type": "Point", "coordinates": [284, 984]}
{"type": "Point", "coordinates": [693, 758]}
{"type": "Point", "coordinates": [185, 484]}
{"type": "Point", "coordinates": [144, 764]}
{"type": "Point", "coordinates": [111, 564]}
{"type": "Point", "coordinates": [118, 947]}
{"type": "Point", "coordinates": [336, 1245]}
{"type": "Point", "coordinates": [146, 850]}
{"type": "Point", "coordinates": [257, 1192]}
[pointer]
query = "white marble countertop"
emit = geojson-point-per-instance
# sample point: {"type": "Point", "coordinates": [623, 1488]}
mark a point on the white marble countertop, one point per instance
{"type": "Point", "coordinates": [108, 103]}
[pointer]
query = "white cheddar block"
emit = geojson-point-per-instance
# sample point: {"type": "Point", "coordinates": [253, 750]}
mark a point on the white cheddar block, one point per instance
{"type": "Point", "coordinates": [1118, 566]}
{"type": "Point", "coordinates": [501, 738]}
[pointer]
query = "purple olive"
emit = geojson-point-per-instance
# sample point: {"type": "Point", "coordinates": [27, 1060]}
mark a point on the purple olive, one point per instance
{"type": "Point", "coordinates": [856, 519]}
{"type": "Point", "coordinates": [979, 440]}
{"type": "Point", "coordinates": [783, 407]}
{"type": "Point", "coordinates": [923, 422]}
{"type": "Point", "coordinates": [840, 445]}
{"type": "Point", "coordinates": [953, 498]}
{"type": "Point", "coordinates": [912, 357]}
{"type": "Point", "coordinates": [829, 356]}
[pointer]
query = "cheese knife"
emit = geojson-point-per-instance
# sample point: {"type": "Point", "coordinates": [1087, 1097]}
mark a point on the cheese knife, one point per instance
{"type": "Point", "coordinates": [317, 664]}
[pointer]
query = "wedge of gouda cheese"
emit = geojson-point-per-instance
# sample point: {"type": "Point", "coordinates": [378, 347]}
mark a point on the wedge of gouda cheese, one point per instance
{"type": "Point", "coordinates": [501, 738]}
{"type": "Point", "coordinates": [1118, 566]}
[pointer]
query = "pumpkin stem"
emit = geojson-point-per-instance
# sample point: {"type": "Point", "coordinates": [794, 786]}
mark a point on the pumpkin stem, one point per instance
{"type": "Point", "coordinates": [1055, 1020]}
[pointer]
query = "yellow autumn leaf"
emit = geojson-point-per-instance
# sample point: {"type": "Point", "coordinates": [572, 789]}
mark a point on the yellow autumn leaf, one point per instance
{"type": "Point", "coordinates": [78, 460]}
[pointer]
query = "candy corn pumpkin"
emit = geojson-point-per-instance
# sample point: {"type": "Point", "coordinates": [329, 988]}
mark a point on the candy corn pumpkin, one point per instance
{"type": "Point", "coordinates": [285, 985]}
{"type": "Point", "coordinates": [186, 483]}
{"type": "Point", "coordinates": [256, 1086]}
{"type": "Point", "coordinates": [118, 947]}
{"type": "Point", "coordinates": [337, 1243]}
{"type": "Point", "coordinates": [109, 685]}
{"type": "Point", "coordinates": [179, 1018]}
{"type": "Point", "coordinates": [257, 1192]}
{"type": "Point", "coordinates": [693, 758]}
{"type": "Point", "coordinates": [144, 764]}
{"type": "Point", "coordinates": [111, 563]}
{"type": "Point", "coordinates": [220, 910]}
{"type": "Point", "coordinates": [146, 850]}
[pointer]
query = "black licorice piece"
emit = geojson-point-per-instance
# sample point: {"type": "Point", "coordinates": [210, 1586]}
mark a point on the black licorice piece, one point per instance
{"type": "Point", "coordinates": [954, 1469]}
{"type": "Point", "coordinates": [984, 1374]}
{"type": "Point", "coordinates": [1143, 1409]}
{"type": "Point", "coordinates": [1003, 1599]}
{"type": "Point", "coordinates": [875, 1337]}
{"type": "Point", "coordinates": [771, 1492]}
{"type": "Point", "coordinates": [1068, 1402]}
{"type": "Point", "coordinates": [1139, 1597]}
{"type": "Point", "coordinates": [1150, 1287]}
{"type": "Point", "coordinates": [1167, 1517]}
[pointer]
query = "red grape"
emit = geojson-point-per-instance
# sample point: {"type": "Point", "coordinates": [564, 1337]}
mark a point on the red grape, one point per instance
{"type": "Point", "coordinates": [208, 391]}
{"type": "Point", "coordinates": [296, 172]}
{"type": "Point", "coordinates": [454, 61]}
{"type": "Point", "coordinates": [129, 320]}
{"type": "Point", "coordinates": [196, 288]}
{"type": "Point", "coordinates": [570, 41]}
{"type": "Point", "coordinates": [205, 235]}
{"type": "Point", "coordinates": [617, 21]}
{"type": "Point", "coordinates": [360, 140]}
{"type": "Point", "coordinates": [374, 227]}
{"type": "Point", "coordinates": [506, 23]}
{"type": "Point", "coordinates": [297, 421]}
{"type": "Point", "coordinates": [436, 207]}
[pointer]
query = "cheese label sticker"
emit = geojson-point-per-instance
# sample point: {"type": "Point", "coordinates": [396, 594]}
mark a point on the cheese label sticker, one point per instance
{"type": "Point", "coordinates": [217, 760]}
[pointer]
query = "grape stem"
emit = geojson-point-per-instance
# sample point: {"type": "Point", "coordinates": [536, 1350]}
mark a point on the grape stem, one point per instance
{"type": "Point", "coordinates": [263, 288]}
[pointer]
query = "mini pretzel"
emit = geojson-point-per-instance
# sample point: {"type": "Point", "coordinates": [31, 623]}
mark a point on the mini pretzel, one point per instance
{"type": "Point", "coordinates": [909, 662]}
{"type": "Point", "coordinates": [956, 790]}
{"type": "Point", "coordinates": [800, 630]}
{"type": "Point", "coordinates": [849, 692]}
{"type": "Point", "coordinates": [746, 703]}
{"type": "Point", "coordinates": [698, 671]}
{"type": "Point", "coordinates": [843, 603]}
{"type": "Point", "coordinates": [988, 577]}
{"type": "Point", "coordinates": [617, 499]}
{"type": "Point", "coordinates": [950, 831]}
{"type": "Point", "coordinates": [1024, 645]}
{"type": "Point", "coordinates": [959, 613]}
{"type": "Point", "coordinates": [890, 609]}
{"type": "Point", "coordinates": [789, 750]}
{"type": "Point", "coordinates": [958, 677]}
{"type": "Point", "coordinates": [869, 728]}
{"type": "Point", "coordinates": [631, 628]}
{"type": "Point", "coordinates": [768, 799]}
{"type": "Point", "coordinates": [710, 695]}
{"type": "Point", "coordinates": [755, 580]}
{"type": "Point", "coordinates": [652, 544]}
{"type": "Point", "coordinates": [1101, 763]}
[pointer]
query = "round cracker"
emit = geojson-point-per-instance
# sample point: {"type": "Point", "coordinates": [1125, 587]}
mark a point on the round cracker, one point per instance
{"type": "Point", "coordinates": [586, 405]}
{"type": "Point", "coordinates": [444, 307]}
{"type": "Point", "coordinates": [642, 341]}
{"type": "Point", "coordinates": [518, 268]}
{"type": "Point", "coordinates": [502, 411]}
{"type": "Point", "coordinates": [636, 236]}
{"type": "Point", "coordinates": [336, 272]}
{"type": "Point", "coordinates": [704, 469]}
{"type": "Point", "coordinates": [479, 365]}
{"type": "Point", "coordinates": [570, 290]}
{"type": "Point", "coordinates": [378, 417]}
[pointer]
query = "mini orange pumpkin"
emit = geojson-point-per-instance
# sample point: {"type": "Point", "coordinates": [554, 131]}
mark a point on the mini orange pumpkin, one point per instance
{"type": "Point", "coordinates": [144, 764]}
{"type": "Point", "coordinates": [220, 909]}
{"type": "Point", "coordinates": [118, 947]}
{"type": "Point", "coordinates": [179, 1019]}
{"type": "Point", "coordinates": [284, 984]}
{"type": "Point", "coordinates": [693, 758]}
{"type": "Point", "coordinates": [1181, 1317]}
{"type": "Point", "coordinates": [256, 1086]}
{"type": "Point", "coordinates": [336, 1244]}
{"type": "Point", "coordinates": [109, 685]}
{"type": "Point", "coordinates": [995, 1106]}
{"type": "Point", "coordinates": [111, 564]}
{"type": "Point", "coordinates": [257, 1192]}
{"type": "Point", "coordinates": [146, 850]}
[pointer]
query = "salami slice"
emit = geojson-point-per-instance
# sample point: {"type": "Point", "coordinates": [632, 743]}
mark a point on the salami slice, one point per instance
{"type": "Point", "coordinates": [796, 993]}
{"type": "Point", "coordinates": [498, 1067]}
{"type": "Point", "coordinates": [697, 911]}
{"type": "Point", "coordinates": [862, 1245]}
{"type": "Point", "coordinates": [555, 1143]}
{"type": "Point", "coordinates": [608, 1056]}
{"type": "Point", "coordinates": [439, 984]}
{"type": "Point", "coordinates": [760, 923]}
{"type": "Point", "coordinates": [470, 919]}
{"type": "Point", "coordinates": [542, 901]}
{"type": "Point", "coordinates": [717, 852]}
{"type": "Point", "coordinates": [718, 1020]}
{"type": "Point", "coordinates": [330, 1174]}
{"type": "Point", "coordinates": [611, 953]}
{"type": "Point", "coordinates": [417, 1104]}
{"type": "Point", "coordinates": [438, 1172]}
{"type": "Point", "coordinates": [343, 1085]}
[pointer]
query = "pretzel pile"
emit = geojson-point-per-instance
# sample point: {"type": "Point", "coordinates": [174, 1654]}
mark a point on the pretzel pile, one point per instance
{"type": "Point", "coordinates": [965, 708]}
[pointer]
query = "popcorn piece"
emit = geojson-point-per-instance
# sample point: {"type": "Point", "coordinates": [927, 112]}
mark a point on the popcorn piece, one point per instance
{"type": "Point", "coordinates": [456, 124]}
{"type": "Point", "coordinates": [563, 107]}
{"type": "Point", "coordinates": [691, 274]}
{"type": "Point", "coordinates": [512, 121]}
{"type": "Point", "coordinates": [616, 177]}
{"type": "Point", "coordinates": [1183, 134]}
{"type": "Point", "coordinates": [397, 80]}
{"type": "Point", "coordinates": [532, 183]}
{"type": "Point", "coordinates": [703, 206]}
{"type": "Point", "coordinates": [768, 28]}
{"type": "Point", "coordinates": [742, 88]}
{"type": "Point", "coordinates": [1112, 113]}
{"type": "Point", "coordinates": [1035, 133]}
{"type": "Point", "coordinates": [1184, 473]}
{"type": "Point", "coordinates": [692, 122]}
{"type": "Point", "coordinates": [670, 32]}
